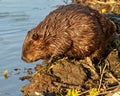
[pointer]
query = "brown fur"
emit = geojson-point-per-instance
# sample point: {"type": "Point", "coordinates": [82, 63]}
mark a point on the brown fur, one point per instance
{"type": "Point", "coordinates": [73, 30]}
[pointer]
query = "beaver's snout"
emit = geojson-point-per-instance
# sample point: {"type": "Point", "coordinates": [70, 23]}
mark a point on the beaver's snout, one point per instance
{"type": "Point", "coordinates": [24, 58]}
{"type": "Point", "coordinates": [29, 57]}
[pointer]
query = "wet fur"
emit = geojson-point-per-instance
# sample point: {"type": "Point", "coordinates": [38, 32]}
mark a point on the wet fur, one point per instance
{"type": "Point", "coordinates": [73, 30]}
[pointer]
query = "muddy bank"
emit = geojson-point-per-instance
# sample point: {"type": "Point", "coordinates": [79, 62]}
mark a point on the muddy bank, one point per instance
{"type": "Point", "coordinates": [65, 74]}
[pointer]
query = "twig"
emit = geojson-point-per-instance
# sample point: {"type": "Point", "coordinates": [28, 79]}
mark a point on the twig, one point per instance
{"type": "Point", "coordinates": [84, 92]}
{"type": "Point", "coordinates": [92, 70]}
{"type": "Point", "coordinates": [114, 87]}
{"type": "Point", "coordinates": [111, 88]}
{"type": "Point", "coordinates": [103, 93]}
{"type": "Point", "coordinates": [114, 78]}
{"type": "Point", "coordinates": [101, 77]}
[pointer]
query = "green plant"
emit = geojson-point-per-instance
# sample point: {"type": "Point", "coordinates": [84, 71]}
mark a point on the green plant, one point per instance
{"type": "Point", "coordinates": [73, 92]}
{"type": "Point", "coordinates": [93, 92]}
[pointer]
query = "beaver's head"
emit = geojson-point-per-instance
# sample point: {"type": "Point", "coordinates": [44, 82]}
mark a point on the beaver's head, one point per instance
{"type": "Point", "coordinates": [35, 46]}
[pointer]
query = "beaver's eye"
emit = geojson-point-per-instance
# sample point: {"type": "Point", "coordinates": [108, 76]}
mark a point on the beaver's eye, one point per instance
{"type": "Point", "coordinates": [35, 36]}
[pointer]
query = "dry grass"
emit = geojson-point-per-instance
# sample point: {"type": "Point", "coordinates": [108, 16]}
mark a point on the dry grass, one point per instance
{"type": "Point", "coordinates": [108, 5]}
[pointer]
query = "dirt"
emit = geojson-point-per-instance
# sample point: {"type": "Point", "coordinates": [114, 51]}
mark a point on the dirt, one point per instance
{"type": "Point", "coordinates": [65, 74]}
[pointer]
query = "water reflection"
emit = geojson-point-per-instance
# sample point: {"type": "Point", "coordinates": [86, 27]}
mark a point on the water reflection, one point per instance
{"type": "Point", "coordinates": [16, 18]}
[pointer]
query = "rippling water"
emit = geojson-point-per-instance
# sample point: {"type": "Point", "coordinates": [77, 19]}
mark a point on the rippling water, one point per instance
{"type": "Point", "coordinates": [16, 18]}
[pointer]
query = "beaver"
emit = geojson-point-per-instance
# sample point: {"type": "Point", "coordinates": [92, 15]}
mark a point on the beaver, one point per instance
{"type": "Point", "coordinates": [73, 31]}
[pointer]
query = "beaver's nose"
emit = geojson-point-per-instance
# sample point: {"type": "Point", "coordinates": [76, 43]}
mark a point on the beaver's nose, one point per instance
{"type": "Point", "coordinates": [24, 58]}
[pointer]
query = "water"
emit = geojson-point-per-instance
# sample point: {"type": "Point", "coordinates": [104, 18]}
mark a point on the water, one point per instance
{"type": "Point", "coordinates": [16, 18]}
